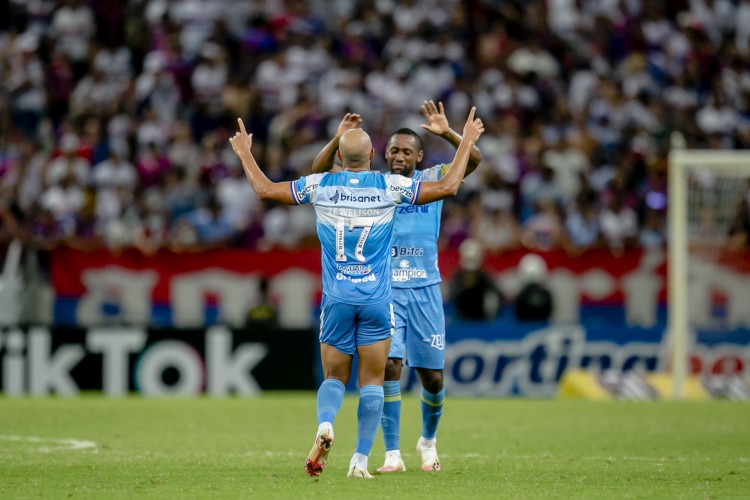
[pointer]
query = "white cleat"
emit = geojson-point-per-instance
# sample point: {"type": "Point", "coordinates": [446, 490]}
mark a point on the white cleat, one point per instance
{"type": "Point", "coordinates": [393, 462]}
{"type": "Point", "coordinates": [428, 454]}
{"type": "Point", "coordinates": [318, 456]}
{"type": "Point", "coordinates": [356, 471]}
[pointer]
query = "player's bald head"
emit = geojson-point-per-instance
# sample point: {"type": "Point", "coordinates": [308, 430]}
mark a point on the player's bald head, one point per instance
{"type": "Point", "coordinates": [355, 147]}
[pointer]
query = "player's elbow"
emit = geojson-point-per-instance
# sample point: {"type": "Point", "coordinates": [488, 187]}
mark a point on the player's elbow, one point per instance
{"type": "Point", "coordinates": [475, 159]}
{"type": "Point", "coordinates": [448, 189]}
{"type": "Point", "coordinates": [264, 192]}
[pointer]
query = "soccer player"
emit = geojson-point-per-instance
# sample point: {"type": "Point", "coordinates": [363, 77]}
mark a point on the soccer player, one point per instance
{"type": "Point", "coordinates": [418, 304]}
{"type": "Point", "coordinates": [354, 212]}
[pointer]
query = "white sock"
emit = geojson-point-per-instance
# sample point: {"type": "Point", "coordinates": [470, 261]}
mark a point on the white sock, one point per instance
{"type": "Point", "coordinates": [360, 460]}
{"type": "Point", "coordinates": [393, 452]}
{"type": "Point", "coordinates": [423, 441]}
{"type": "Point", "coordinates": [326, 426]}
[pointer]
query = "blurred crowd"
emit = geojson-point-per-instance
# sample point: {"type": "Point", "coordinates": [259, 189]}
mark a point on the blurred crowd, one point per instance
{"type": "Point", "coordinates": [115, 115]}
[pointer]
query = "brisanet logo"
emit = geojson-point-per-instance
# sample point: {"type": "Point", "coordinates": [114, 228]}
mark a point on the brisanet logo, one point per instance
{"type": "Point", "coordinates": [340, 196]}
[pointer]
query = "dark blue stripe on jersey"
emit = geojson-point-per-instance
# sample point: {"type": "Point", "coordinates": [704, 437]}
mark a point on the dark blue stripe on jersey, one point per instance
{"type": "Point", "coordinates": [294, 193]}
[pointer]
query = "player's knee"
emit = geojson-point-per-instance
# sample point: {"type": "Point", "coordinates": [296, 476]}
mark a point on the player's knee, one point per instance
{"type": "Point", "coordinates": [432, 380]}
{"type": "Point", "coordinates": [339, 372]}
{"type": "Point", "coordinates": [393, 369]}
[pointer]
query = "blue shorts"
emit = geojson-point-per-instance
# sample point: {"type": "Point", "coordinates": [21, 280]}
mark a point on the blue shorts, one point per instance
{"type": "Point", "coordinates": [347, 326]}
{"type": "Point", "coordinates": [420, 327]}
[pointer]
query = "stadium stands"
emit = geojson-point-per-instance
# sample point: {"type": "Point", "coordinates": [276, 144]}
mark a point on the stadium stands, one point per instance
{"type": "Point", "coordinates": [114, 116]}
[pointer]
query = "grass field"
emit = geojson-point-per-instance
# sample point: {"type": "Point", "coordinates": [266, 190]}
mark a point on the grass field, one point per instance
{"type": "Point", "coordinates": [255, 448]}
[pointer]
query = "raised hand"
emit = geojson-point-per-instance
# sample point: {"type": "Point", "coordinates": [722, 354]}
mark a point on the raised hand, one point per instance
{"type": "Point", "coordinates": [437, 122]}
{"type": "Point", "coordinates": [241, 141]}
{"type": "Point", "coordinates": [473, 128]}
{"type": "Point", "coordinates": [349, 122]}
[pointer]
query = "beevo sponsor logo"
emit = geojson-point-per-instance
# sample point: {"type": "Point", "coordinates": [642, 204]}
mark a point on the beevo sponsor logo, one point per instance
{"type": "Point", "coordinates": [343, 197]}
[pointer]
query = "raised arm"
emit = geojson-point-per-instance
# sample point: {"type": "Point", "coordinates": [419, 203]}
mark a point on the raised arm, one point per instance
{"type": "Point", "coordinates": [263, 186]}
{"type": "Point", "coordinates": [324, 161]}
{"type": "Point", "coordinates": [449, 184]}
{"type": "Point", "coordinates": [437, 123]}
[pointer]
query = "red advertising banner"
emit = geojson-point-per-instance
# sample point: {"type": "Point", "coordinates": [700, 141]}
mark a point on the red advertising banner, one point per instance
{"type": "Point", "coordinates": [188, 290]}
{"type": "Point", "coordinates": [69, 267]}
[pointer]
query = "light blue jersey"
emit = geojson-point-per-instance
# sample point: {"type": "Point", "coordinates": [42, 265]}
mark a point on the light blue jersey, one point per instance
{"type": "Point", "coordinates": [414, 253]}
{"type": "Point", "coordinates": [354, 218]}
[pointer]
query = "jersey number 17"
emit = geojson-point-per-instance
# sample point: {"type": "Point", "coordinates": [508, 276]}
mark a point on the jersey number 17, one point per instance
{"type": "Point", "coordinates": [355, 222]}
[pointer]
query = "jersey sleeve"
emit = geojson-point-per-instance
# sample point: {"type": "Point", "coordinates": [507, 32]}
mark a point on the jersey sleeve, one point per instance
{"type": "Point", "coordinates": [305, 188]}
{"type": "Point", "coordinates": [434, 174]}
{"type": "Point", "coordinates": [403, 189]}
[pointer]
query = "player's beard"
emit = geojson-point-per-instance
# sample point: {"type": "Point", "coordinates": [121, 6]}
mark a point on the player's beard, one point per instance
{"type": "Point", "coordinates": [402, 169]}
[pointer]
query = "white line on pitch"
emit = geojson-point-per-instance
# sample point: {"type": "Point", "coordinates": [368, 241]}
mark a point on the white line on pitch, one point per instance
{"type": "Point", "coordinates": [63, 444]}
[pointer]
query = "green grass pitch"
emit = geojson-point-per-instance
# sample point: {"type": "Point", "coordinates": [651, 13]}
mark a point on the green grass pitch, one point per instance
{"type": "Point", "coordinates": [255, 448]}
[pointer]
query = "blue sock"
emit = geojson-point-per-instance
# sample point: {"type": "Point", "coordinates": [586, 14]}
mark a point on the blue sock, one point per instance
{"type": "Point", "coordinates": [432, 409]}
{"type": "Point", "coordinates": [391, 418]}
{"type": "Point", "coordinates": [330, 398]}
{"type": "Point", "coordinates": [369, 412]}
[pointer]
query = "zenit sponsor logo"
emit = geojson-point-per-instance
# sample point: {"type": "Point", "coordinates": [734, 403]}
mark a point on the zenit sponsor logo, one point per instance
{"type": "Point", "coordinates": [339, 196]}
{"type": "Point", "coordinates": [413, 209]}
{"type": "Point", "coordinates": [354, 269]}
{"type": "Point", "coordinates": [437, 341]}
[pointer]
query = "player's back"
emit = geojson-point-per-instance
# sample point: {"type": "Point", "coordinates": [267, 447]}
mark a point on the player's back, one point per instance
{"type": "Point", "coordinates": [354, 213]}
